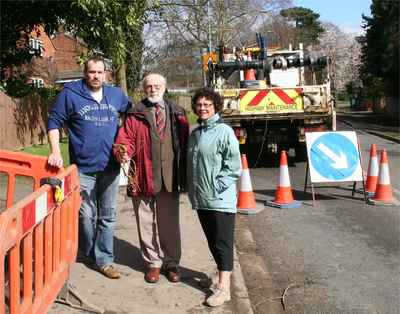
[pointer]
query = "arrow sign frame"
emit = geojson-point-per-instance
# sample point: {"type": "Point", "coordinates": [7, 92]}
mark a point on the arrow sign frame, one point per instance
{"type": "Point", "coordinates": [334, 156]}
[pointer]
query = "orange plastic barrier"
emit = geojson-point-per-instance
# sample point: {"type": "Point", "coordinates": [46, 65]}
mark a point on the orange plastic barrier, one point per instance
{"type": "Point", "coordinates": [38, 237]}
{"type": "Point", "coordinates": [26, 165]}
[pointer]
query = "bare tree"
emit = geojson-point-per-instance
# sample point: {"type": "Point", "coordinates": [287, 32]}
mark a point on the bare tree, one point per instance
{"type": "Point", "coordinates": [344, 51]}
{"type": "Point", "coordinates": [279, 30]}
{"type": "Point", "coordinates": [185, 30]}
{"type": "Point", "coordinates": [44, 68]}
{"type": "Point", "coordinates": [219, 20]}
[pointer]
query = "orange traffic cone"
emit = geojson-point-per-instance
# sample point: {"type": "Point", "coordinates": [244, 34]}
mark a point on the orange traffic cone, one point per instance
{"type": "Point", "coordinates": [249, 74]}
{"type": "Point", "coordinates": [284, 195]}
{"type": "Point", "coordinates": [372, 175]}
{"type": "Point", "coordinates": [383, 192]}
{"type": "Point", "coordinates": [246, 203]}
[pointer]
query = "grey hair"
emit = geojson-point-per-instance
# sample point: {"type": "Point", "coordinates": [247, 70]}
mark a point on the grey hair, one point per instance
{"type": "Point", "coordinates": [163, 79]}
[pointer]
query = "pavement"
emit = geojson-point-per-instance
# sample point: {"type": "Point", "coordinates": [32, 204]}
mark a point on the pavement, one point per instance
{"type": "Point", "coordinates": [375, 124]}
{"type": "Point", "coordinates": [131, 294]}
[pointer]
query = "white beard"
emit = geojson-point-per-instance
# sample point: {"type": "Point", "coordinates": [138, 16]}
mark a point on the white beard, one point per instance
{"type": "Point", "coordinates": [155, 98]}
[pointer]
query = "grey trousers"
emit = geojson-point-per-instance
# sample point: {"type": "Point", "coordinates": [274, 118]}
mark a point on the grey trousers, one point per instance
{"type": "Point", "coordinates": [159, 213]}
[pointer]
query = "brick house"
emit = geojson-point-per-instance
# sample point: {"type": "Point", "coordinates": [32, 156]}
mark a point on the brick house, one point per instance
{"type": "Point", "coordinates": [58, 64]}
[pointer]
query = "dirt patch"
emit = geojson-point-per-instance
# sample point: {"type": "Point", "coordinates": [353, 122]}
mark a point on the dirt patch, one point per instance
{"type": "Point", "coordinates": [259, 283]}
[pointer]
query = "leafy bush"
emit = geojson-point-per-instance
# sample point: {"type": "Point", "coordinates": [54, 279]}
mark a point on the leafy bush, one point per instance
{"type": "Point", "coordinates": [343, 96]}
{"type": "Point", "coordinates": [49, 92]}
{"type": "Point", "coordinates": [16, 88]}
{"type": "Point", "coordinates": [174, 96]}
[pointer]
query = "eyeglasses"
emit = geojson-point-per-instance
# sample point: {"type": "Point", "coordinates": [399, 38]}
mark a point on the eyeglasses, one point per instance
{"type": "Point", "coordinates": [155, 87]}
{"type": "Point", "coordinates": [206, 106]}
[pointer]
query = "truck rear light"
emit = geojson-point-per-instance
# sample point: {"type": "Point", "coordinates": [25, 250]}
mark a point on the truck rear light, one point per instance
{"type": "Point", "coordinates": [313, 120]}
{"type": "Point", "coordinates": [316, 129]}
{"type": "Point", "coordinates": [240, 133]}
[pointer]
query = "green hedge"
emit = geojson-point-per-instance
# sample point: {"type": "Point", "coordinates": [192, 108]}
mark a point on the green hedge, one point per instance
{"type": "Point", "coordinates": [18, 89]}
{"type": "Point", "coordinates": [49, 92]}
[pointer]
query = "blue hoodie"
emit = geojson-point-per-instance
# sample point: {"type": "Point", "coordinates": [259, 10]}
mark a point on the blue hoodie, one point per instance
{"type": "Point", "coordinates": [92, 126]}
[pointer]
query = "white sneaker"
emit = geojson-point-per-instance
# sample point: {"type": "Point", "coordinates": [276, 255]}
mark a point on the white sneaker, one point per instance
{"type": "Point", "coordinates": [219, 297]}
{"type": "Point", "coordinates": [209, 281]}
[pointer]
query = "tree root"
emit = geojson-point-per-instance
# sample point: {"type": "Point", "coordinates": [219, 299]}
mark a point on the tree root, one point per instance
{"type": "Point", "coordinates": [277, 298]}
{"type": "Point", "coordinates": [132, 171]}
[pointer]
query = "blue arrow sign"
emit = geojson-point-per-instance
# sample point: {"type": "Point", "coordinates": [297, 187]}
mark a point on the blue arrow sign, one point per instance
{"type": "Point", "coordinates": [334, 156]}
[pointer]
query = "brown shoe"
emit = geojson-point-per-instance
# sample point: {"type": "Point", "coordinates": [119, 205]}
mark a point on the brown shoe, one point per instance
{"type": "Point", "coordinates": [108, 271]}
{"type": "Point", "coordinates": [174, 274]}
{"type": "Point", "coordinates": [152, 275]}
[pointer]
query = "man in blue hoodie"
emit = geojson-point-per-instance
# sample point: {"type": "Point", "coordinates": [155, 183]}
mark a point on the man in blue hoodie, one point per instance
{"type": "Point", "coordinates": [90, 110]}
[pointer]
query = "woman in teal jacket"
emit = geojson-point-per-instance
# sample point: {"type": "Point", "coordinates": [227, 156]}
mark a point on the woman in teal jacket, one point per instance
{"type": "Point", "coordinates": [214, 165]}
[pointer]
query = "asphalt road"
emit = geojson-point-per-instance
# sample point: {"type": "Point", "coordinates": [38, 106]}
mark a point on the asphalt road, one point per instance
{"type": "Point", "coordinates": [339, 256]}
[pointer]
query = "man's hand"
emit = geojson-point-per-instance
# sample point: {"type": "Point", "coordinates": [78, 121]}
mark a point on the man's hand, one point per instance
{"type": "Point", "coordinates": [121, 156]}
{"type": "Point", "coordinates": [55, 160]}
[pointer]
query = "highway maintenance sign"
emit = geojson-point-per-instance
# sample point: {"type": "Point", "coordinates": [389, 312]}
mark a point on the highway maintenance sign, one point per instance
{"type": "Point", "coordinates": [334, 156]}
{"type": "Point", "coordinates": [271, 100]}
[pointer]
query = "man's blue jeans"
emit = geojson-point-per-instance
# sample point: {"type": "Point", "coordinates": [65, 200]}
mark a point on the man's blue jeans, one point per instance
{"type": "Point", "coordinates": [99, 197]}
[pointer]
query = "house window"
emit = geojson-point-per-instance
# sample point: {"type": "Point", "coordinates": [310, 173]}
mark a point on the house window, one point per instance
{"type": "Point", "coordinates": [35, 44]}
{"type": "Point", "coordinates": [109, 64]}
{"type": "Point", "coordinates": [37, 82]}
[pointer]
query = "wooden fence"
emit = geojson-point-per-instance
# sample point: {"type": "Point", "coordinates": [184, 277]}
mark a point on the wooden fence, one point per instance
{"type": "Point", "coordinates": [23, 121]}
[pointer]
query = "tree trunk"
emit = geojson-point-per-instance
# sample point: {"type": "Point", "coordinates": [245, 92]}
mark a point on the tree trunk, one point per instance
{"type": "Point", "coordinates": [120, 77]}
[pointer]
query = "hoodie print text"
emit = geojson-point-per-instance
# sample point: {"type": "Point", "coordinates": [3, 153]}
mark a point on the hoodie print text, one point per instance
{"type": "Point", "coordinates": [101, 120]}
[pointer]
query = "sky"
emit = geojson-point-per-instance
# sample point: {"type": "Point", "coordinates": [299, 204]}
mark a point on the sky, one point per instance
{"type": "Point", "coordinates": [346, 14]}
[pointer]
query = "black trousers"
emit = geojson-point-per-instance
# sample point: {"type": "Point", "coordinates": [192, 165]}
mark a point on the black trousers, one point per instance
{"type": "Point", "coordinates": [219, 228]}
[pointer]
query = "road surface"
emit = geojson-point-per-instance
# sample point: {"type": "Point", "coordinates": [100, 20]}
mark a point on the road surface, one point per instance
{"type": "Point", "coordinates": [339, 256]}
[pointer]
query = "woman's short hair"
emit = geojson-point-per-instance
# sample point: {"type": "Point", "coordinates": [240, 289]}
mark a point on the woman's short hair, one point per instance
{"type": "Point", "coordinates": [208, 94]}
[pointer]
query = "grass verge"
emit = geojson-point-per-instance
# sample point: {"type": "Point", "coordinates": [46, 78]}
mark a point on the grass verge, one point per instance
{"type": "Point", "coordinates": [44, 150]}
{"type": "Point", "coordinates": [192, 118]}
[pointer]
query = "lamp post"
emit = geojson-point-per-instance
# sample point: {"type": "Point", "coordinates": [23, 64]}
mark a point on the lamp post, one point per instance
{"type": "Point", "coordinates": [209, 27]}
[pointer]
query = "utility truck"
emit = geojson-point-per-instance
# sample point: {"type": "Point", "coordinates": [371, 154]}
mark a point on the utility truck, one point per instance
{"type": "Point", "coordinates": [266, 97]}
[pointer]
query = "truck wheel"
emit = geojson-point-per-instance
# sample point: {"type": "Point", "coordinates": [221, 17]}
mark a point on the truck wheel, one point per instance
{"type": "Point", "coordinates": [301, 152]}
